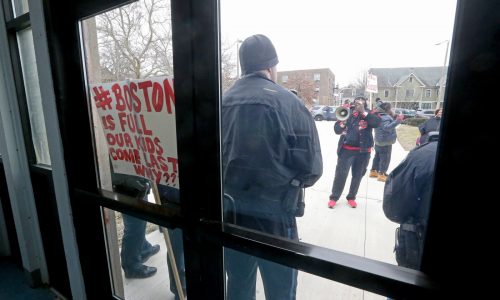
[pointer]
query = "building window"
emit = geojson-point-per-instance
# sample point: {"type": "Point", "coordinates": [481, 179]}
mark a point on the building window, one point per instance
{"type": "Point", "coordinates": [317, 77]}
{"type": "Point", "coordinates": [411, 79]}
{"type": "Point", "coordinates": [426, 105]}
{"type": "Point", "coordinates": [284, 78]}
{"type": "Point", "coordinates": [386, 93]}
{"type": "Point", "coordinates": [428, 93]}
{"type": "Point", "coordinates": [409, 93]}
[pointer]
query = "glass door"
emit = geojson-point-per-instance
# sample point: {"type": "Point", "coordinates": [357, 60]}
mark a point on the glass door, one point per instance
{"type": "Point", "coordinates": [122, 148]}
{"type": "Point", "coordinates": [140, 91]}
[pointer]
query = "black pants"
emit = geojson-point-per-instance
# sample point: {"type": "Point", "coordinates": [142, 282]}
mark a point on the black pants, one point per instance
{"type": "Point", "coordinates": [280, 282]}
{"type": "Point", "coordinates": [178, 250]}
{"type": "Point", "coordinates": [263, 212]}
{"type": "Point", "coordinates": [355, 161]}
{"type": "Point", "coordinates": [382, 158]}
{"type": "Point", "coordinates": [134, 243]}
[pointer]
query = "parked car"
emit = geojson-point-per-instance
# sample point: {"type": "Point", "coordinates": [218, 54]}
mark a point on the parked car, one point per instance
{"type": "Point", "coordinates": [323, 112]}
{"type": "Point", "coordinates": [315, 108]}
{"type": "Point", "coordinates": [407, 113]}
{"type": "Point", "coordinates": [424, 113]}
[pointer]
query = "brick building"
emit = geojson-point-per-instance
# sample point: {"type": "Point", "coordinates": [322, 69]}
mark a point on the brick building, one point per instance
{"type": "Point", "coordinates": [314, 86]}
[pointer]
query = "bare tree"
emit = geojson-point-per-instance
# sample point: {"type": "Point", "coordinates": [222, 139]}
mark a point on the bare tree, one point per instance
{"type": "Point", "coordinates": [135, 41]}
{"type": "Point", "coordinates": [227, 66]}
{"type": "Point", "coordinates": [304, 86]}
{"type": "Point", "coordinates": [360, 82]}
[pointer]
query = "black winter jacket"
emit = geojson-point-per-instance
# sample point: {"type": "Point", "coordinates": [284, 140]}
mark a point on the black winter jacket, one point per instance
{"type": "Point", "coordinates": [428, 126]}
{"type": "Point", "coordinates": [358, 130]}
{"type": "Point", "coordinates": [268, 137]}
{"type": "Point", "coordinates": [408, 188]}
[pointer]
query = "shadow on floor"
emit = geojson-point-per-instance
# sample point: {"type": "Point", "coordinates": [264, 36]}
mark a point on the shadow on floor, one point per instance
{"type": "Point", "coordinates": [14, 287]}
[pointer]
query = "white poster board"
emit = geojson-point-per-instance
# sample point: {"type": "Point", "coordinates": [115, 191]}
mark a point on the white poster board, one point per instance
{"type": "Point", "coordinates": [371, 84]}
{"type": "Point", "coordinates": [138, 120]}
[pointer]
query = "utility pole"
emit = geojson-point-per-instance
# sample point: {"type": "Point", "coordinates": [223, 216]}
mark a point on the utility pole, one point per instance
{"type": "Point", "coordinates": [441, 80]}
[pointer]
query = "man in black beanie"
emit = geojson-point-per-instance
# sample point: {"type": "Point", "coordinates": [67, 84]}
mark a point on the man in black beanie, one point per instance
{"type": "Point", "coordinates": [271, 152]}
{"type": "Point", "coordinates": [257, 53]}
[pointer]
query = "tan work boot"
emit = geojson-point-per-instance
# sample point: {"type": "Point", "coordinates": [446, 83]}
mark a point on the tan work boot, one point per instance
{"type": "Point", "coordinates": [373, 173]}
{"type": "Point", "coordinates": [382, 177]}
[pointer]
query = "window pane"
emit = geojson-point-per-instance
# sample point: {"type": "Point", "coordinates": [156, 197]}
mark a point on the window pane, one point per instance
{"type": "Point", "coordinates": [131, 90]}
{"type": "Point", "coordinates": [128, 236]}
{"type": "Point", "coordinates": [33, 97]}
{"type": "Point", "coordinates": [20, 7]}
{"type": "Point", "coordinates": [268, 150]}
{"type": "Point", "coordinates": [129, 60]}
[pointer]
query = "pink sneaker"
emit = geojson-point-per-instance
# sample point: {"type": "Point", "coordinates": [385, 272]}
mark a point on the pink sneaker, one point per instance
{"type": "Point", "coordinates": [352, 203]}
{"type": "Point", "coordinates": [331, 203]}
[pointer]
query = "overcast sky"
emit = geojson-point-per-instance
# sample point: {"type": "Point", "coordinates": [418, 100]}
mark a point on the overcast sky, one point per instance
{"type": "Point", "coordinates": [348, 36]}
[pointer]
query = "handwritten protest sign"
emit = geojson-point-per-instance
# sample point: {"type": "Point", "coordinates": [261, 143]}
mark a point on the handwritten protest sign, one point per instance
{"type": "Point", "coordinates": [371, 84]}
{"type": "Point", "coordinates": [138, 119]}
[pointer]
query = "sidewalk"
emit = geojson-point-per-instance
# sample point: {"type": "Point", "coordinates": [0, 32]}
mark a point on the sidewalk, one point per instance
{"type": "Point", "coordinates": [363, 231]}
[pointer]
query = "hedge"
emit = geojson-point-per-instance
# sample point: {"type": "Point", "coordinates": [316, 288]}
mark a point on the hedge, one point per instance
{"type": "Point", "coordinates": [414, 121]}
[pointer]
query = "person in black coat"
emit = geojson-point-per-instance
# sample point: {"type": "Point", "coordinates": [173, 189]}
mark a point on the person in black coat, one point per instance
{"type": "Point", "coordinates": [355, 145]}
{"type": "Point", "coordinates": [270, 152]}
{"type": "Point", "coordinates": [430, 125]}
{"type": "Point", "coordinates": [136, 249]}
{"type": "Point", "coordinates": [407, 197]}
{"type": "Point", "coordinates": [170, 194]}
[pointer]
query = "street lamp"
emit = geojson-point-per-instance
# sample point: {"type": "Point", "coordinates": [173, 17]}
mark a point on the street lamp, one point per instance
{"type": "Point", "coordinates": [441, 80]}
{"type": "Point", "coordinates": [238, 41]}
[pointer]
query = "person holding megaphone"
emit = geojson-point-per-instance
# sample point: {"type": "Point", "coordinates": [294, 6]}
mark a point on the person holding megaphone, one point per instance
{"type": "Point", "coordinates": [355, 126]}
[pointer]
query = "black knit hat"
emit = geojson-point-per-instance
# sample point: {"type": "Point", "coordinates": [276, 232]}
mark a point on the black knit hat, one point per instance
{"type": "Point", "coordinates": [385, 106]}
{"type": "Point", "coordinates": [257, 53]}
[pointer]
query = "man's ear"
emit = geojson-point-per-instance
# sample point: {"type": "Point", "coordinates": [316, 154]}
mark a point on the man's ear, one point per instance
{"type": "Point", "coordinates": [269, 73]}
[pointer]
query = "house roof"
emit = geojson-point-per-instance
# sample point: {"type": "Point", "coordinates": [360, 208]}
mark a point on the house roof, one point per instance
{"type": "Point", "coordinates": [388, 77]}
{"type": "Point", "coordinates": [306, 71]}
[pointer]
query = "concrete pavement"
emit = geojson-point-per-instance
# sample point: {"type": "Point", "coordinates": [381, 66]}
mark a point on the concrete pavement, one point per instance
{"type": "Point", "coordinates": [363, 231]}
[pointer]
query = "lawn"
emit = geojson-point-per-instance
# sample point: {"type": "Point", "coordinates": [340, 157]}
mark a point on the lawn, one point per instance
{"type": "Point", "coordinates": [407, 135]}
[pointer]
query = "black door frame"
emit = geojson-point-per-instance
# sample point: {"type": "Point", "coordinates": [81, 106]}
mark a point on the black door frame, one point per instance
{"type": "Point", "coordinates": [196, 44]}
